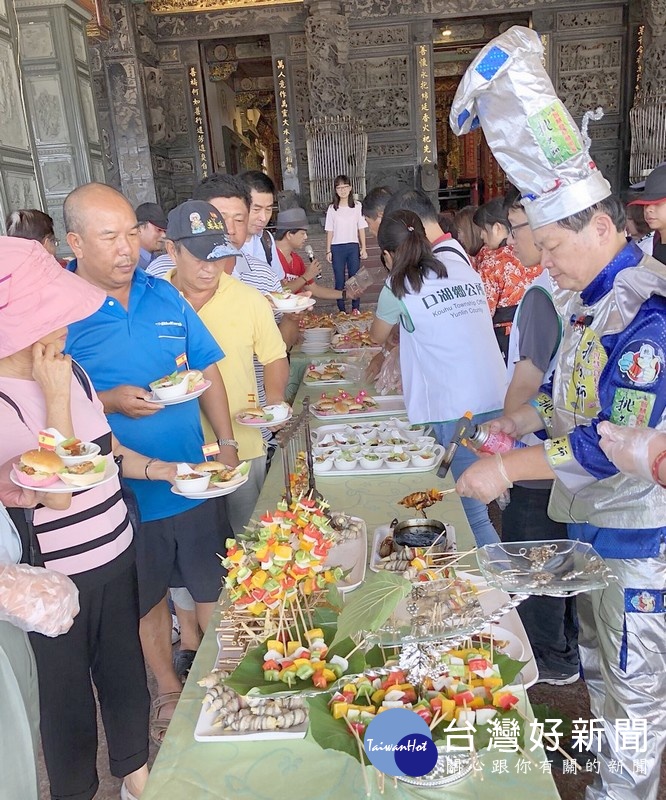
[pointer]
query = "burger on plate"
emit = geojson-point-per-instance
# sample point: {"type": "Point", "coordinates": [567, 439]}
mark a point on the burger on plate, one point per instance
{"type": "Point", "coordinates": [219, 472]}
{"type": "Point", "coordinates": [39, 467]}
{"type": "Point", "coordinates": [86, 473]}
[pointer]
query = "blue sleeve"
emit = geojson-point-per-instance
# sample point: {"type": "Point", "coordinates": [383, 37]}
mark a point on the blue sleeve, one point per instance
{"type": "Point", "coordinates": [202, 349]}
{"type": "Point", "coordinates": [632, 385]}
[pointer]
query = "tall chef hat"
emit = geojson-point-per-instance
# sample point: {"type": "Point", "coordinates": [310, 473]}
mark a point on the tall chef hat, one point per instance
{"type": "Point", "coordinates": [507, 91]}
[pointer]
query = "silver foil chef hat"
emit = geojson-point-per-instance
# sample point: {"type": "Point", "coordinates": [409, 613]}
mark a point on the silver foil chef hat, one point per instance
{"type": "Point", "coordinates": [507, 91]}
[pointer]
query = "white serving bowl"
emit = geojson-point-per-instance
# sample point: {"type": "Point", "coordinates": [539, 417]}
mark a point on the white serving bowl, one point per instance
{"type": "Point", "coordinates": [397, 464]}
{"type": "Point", "coordinates": [323, 463]}
{"type": "Point", "coordinates": [289, 303]}
{"type": "Point", "coordinates": [90, 450]}
{"type": "Point", "coordinates": [170, 392]}
{"type": "Point", "coordinates": [193, 485]}
{"type": "Point", "coordinates": [422, 460]}
{"type": "Point", "coordinates": [345, 464]}
{"type": "Point", "coordinates": [371, 463]}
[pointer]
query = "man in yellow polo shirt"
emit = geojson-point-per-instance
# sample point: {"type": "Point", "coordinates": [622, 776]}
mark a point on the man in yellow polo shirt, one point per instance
{"type": "Point", "coordinates": [241, 320]}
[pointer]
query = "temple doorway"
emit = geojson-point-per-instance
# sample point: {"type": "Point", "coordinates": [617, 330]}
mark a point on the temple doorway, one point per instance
{"type": "Point", "coordinates": [240, 104]}
{"type": "Point", "coordinates": [468, 173]}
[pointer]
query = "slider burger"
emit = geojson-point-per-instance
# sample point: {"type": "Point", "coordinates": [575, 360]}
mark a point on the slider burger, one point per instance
{"type": "Point", "coordinates": [87, 473]}
{"type": "Point", "coordinates": [39, 467]}
{"type": "Point", "coordinates": [219, 473]}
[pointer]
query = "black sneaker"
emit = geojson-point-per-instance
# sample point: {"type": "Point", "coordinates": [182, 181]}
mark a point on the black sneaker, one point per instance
{"type": "Point", "coordinates": [557, 677]}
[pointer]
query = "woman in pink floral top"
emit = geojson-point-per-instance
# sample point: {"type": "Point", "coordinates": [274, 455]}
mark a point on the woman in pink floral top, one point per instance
{"type": "Point", "coordinates": [504, 278]}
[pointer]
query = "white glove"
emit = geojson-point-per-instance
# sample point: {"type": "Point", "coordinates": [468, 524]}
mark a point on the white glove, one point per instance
{"type": "Point", "coordinates": [36, 599]}
{"type": "Point", "coordinates": [485, 480]}
{"type": "Point", "coordinates": [632, 450]}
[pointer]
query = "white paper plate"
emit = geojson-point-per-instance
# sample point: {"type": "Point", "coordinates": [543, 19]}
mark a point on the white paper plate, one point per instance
{"type": "Point", "coordinates": [262, 423]}
{"type": "Point", "coordinates": [383, 531]}
{"type": "Point", "coordinates": [177, 400]}
{"type": "Point", "coordinates": [296, 309]}
{"type": "Point", "coordinates": [205, 732]}
{"type": "Point", "coordinates": [352, 556]}
{"type": "Point", "coordinates": [386, 407]}
{"type": "Point", "coordinates": [62, 488]}
{"type": "Point", "coordinates": [227, 488]}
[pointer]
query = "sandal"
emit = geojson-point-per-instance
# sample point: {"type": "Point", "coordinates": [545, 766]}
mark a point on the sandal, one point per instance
{"type": "Point", "coordinates": [159, 725]}
{"type": "Point", "coordinates": [182, 663]}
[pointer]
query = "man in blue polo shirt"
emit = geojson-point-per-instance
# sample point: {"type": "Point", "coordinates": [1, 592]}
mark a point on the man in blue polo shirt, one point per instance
{"type": "Point", "coordinates": [138, 336]}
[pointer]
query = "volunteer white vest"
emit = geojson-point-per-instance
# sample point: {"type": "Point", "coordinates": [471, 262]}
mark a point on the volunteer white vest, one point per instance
{"type": "Point", "coordinates": [449, 358]}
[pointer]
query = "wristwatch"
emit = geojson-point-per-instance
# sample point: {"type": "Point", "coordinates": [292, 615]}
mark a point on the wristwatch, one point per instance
{"type": "Point", "coordinates": [228, 443]}
{"type": "Point", "coordinates": [344, 295]}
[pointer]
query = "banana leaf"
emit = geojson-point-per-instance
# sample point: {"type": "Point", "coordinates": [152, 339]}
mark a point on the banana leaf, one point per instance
{"type": "Point", "coordinates": [370, 606]}
{"type": "Point", "coordinates": [329, 733]}
{"type": "Point", "coordinates": [250, 675]}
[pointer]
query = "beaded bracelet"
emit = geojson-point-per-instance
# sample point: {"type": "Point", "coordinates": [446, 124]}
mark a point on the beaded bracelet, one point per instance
{"type": "Point", "coordinates": [655, 468]}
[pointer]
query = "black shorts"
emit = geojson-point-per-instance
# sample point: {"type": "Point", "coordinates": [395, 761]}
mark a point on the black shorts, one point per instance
{"type": "Point", "coordinates": [182, 550]}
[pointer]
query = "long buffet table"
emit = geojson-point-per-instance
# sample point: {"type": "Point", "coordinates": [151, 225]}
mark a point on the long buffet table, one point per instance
{"type": "Point", "coordinates": [283, 769]}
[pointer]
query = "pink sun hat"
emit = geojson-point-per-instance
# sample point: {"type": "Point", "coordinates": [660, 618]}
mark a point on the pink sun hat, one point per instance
{"type": "Point", "coordinates": [38, 296]}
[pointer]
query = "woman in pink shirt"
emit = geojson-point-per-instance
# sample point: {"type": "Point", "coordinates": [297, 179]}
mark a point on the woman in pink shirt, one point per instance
{"type": "Point", "coordinates": [86, 535]}
{"type": "Point", "coordinates": [345, 235]}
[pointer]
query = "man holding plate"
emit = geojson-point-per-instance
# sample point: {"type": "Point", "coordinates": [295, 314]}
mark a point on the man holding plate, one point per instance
{"type": "Point", "coordinates": [242, 322]}
{"type": "Point", "coordinates": [144, 331]}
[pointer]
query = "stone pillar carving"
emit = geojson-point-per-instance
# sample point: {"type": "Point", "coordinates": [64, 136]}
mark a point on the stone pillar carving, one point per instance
{"type": "Point", "coordinates": [19, 185]}
{"type": "Point", "coordinates": [59, 98]}
{"type": "Point", "coordinates": [424, 100]}
{"type": "Point", "coordinates": [127, 115]}
{"type": "Point", "coordinates": [327, 45]}
{"type": "Point", "coordinates": [284, 103]}
{"type": "Point", "coordinates": [648, 136]}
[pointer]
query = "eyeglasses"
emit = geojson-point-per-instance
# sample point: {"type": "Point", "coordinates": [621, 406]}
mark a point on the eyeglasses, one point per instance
{"type": "Point", "coordinates": [514, 228]}
{"type": "Point", "coordinates": [343, 186]}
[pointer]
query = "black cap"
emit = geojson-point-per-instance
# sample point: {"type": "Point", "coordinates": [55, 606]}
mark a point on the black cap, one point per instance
{"type": "Point", "coordinates": [151, 212]}
{"type": "Point", "coordinates": [655, 188]}
{"type": "Point", "coordinates": [199, 227]}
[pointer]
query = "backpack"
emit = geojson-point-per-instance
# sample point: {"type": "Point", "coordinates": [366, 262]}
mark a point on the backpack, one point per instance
{"type": "Point", "coordinates": [267, 244]}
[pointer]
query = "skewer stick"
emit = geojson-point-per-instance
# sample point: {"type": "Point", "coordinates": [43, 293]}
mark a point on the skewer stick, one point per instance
{"type": "Point", "coordinates": [358, 646]}
{"type": "Point", "coordinates": [436, 720]}
{"type": "Point", "coordinates": [361, 754]}
{"type": "Point", "coordinates": [427, 552]}
{"type": "Point", "coordinates": [558, 748]}
{"type": "Point", "coordinates": [380, 780]}
{"type": "Point", "coordinates": [300, 613]}
{"type": "Point", "coordinates": [528, 757]}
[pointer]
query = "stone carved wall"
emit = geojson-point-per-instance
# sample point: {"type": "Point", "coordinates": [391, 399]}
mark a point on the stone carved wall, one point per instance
{"type": "Point", "coordinates": [327, 47]}
{"type": "Point", "coordinates": [380, 92]}
{"type": "Point", "coordinates": [590, 74]}
{"type": "Point", "coordinates": [239, 22]}
{"type": "Point", "coordinates": [588, 60]}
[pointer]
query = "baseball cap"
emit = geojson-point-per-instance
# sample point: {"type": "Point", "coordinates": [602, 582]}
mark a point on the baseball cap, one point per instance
{"type": "Point", "coordinates": [655, 188]}
{"type": "Point", "coordinates": [292, 219]}
{"type": "Point", "coordinates": [199, 227]}
{"type": "Point", "coordinates": [38, 296]}
{"type": "Point", "coordinates": [151, 212]}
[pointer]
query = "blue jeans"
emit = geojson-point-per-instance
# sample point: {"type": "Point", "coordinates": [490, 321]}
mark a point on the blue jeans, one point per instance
{"type": "Point", "coordinates": [475, 510]}
{"type": "Point", "coordinates": [550, 622]}
{"type": "Point", "coordinates": [349, 256]}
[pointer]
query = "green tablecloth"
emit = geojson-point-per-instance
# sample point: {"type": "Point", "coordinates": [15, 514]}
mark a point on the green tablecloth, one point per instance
{"type": "Point", "coordinates": [286, 769]}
